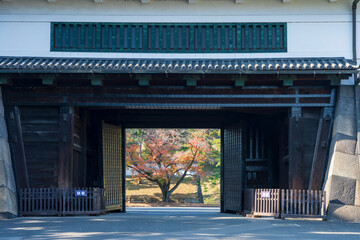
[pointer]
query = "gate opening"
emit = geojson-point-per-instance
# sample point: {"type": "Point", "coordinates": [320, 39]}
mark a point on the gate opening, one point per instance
{"type": "Point", "coordinates": [253, 153]}
{"type": "Point", "coordinates": [173, 167]}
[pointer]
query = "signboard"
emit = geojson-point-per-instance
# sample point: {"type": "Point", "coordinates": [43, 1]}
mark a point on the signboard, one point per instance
{"type": "Point", "coordinates": [265, 194]}
{"type": "Point", "coordinates": [80, 193]}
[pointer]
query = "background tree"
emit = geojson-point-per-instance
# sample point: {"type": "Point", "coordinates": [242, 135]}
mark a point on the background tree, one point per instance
{"type": "Point", "coordinates": [161, 154]}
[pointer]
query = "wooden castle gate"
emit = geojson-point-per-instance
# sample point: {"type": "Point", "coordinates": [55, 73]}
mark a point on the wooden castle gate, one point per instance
{"type": "Point", "coordinates": [66, 130]}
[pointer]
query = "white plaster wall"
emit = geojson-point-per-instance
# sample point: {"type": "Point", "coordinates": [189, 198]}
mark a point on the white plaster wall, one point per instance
{"type": "Point", "coordinates": [316, 28]}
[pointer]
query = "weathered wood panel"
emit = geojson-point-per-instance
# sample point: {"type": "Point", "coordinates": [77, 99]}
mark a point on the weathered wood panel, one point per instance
{"type": "Point", "coordinates": [40, 134]}
{"type": "Point", "coordinates": [66, 128]}
{"type": "Point", "coordinates": [17, 147]}
{"type": "Point", "coordinates": [296, 156]}
{"type": "Point", "coordinates": [320, 154]}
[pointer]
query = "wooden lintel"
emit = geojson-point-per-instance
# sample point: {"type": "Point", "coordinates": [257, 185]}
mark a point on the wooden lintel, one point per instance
{"type": "Point", "coordinates": [17, 147]}
{"type": "Point", "coordinates": [239, 81]}
{"type": "Point", "coordinates": [320, 153]}
{"type": "Point", "coordinates": [97, 81]}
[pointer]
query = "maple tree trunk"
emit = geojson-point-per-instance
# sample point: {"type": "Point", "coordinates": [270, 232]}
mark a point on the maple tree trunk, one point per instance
{"type": "Point", "coordinates": [165, 195]}
{"type": "Point", "coordinates": [199, 194]}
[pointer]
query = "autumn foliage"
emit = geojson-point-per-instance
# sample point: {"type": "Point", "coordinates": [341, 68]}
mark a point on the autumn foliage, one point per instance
{"type": "Point", "coordinates": [161, 154]}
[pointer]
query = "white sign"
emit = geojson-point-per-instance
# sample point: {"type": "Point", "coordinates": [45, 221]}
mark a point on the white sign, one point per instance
{"type": "Point", "coordinates": [265, 194]}
{"type": "Point", "coordinates": [80, 193]}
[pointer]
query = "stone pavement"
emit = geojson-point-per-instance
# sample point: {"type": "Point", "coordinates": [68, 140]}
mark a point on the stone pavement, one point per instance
{"type": "Point", "coordinates": [173, 223]}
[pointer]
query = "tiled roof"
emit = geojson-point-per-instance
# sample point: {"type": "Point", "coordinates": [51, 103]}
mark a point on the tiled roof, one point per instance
{"type": "Point", "coordinates": [119, 65]}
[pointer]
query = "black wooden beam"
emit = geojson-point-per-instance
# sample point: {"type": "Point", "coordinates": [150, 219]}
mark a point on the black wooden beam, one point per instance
{"type": "Point", "coordinates": [296, 158]}
{"type": "Point", "coordinates": [66, 129]}
{"type": "Point", "coordinates": [83, 137]}
{"type": "Point", "coordinates": [320, 154]}
{"type": "Point", "coordinates": [222, 209]}
{"type": "Point", "coordinates": [17, 147]}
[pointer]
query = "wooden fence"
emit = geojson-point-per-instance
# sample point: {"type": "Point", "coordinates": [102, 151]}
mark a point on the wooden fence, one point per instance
{"type": "Point", "coordinates": [61, 202]}
{"type": "Point", "coordinates": [303, 204]}
{"type": "Point", "coordinates": [287, 203]}
{"type": "Point", "coordinates": [262, 202]}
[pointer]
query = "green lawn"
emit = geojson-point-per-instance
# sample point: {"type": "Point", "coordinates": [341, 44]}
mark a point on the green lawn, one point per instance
{"type": "Point", "coordinates": [147, 192]}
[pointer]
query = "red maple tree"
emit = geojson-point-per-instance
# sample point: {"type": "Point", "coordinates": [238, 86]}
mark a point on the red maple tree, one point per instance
{"type": "Point", "coordinates": [160, 155]}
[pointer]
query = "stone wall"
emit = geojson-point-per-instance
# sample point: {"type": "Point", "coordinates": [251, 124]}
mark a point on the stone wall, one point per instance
{"type": "Point", "coordinates": [8, 202]}
{"type": "Point", "coordinates": [342, 180]}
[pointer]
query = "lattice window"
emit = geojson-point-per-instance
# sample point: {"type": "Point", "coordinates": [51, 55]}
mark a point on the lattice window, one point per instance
{"type": "Point", "coordinates": [169, 37]}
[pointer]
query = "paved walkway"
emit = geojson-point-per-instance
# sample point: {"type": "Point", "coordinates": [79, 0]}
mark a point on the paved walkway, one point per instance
{"type": "Point", "coordinates": [171, 224]}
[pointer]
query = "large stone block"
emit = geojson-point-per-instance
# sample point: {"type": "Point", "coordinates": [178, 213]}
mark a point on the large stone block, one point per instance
{"type": "Point", "coordinates": [345, 106]}
{"type": "Point", "coordinates": [5, 154]}
{"type": "Point", "coordinates": [7, 176]}
{"type": "Point", "coordinates": [345, 165]}
{"type": "Point", "coordinates": [345, 124]}
{"type": "Point", "coordinates": [342, 212]}
{"type": "Point", "coordinates": [340, 190]}
{"type": "Point", "coordinates": [1, 104]}
{"type": "Point", "coordinates": [346, 91]}
{"type": "Point", "coordinates": [8, 203]}
{"type": "Point", "coordinates": [3, 128]}
{"type": "Point", "coordinates": [344, 143]}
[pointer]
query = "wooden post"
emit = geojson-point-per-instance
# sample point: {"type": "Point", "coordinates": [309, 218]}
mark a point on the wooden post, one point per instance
{"type": "Point", "coordinates": [222, 209]}
{"type": "Point", "coordinates": [17, 147]}
{"type": "Point", "coordinates": [296, 163]}
{"type": "Point", "coordinates": [83, 136]}
{"type": "Point", "coordinates": [320, 154]}
{"type": "Point", "coordinates": [123, 167]}
{"type": "Point", "coordinates": [66, 129]}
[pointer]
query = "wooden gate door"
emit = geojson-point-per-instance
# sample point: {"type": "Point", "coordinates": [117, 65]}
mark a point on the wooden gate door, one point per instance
{"type": "Point", "coordinates": [113, 167]}
{"type": "Point", "coordinates": [232, 169]}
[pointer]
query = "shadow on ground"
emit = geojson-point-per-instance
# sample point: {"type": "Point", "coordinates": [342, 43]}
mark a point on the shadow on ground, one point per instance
{"type": "Point", "coordinates": [173, 223]}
